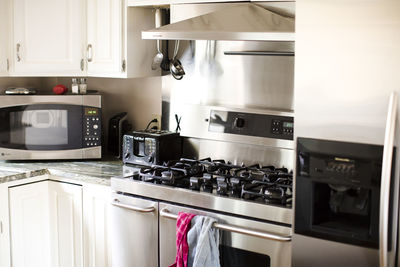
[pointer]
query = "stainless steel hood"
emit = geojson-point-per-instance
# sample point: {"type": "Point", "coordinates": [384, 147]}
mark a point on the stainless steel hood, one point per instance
{"type": "Point", "coordinates": [245, 22]}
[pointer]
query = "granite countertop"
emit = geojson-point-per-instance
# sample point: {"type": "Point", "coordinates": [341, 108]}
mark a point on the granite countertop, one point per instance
{"type": "Point", "coordinates": [97, 172]}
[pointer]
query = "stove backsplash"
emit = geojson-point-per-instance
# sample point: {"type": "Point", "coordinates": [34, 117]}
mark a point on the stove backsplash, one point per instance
{"type": "Point", "coordinates": [245, 81]}
{"type": "Point", "coordinates": [215, 84]}
{"type": "Point", "coordinates": [218, 78]}
{"type": "Point", "coordinates": [238, 153]}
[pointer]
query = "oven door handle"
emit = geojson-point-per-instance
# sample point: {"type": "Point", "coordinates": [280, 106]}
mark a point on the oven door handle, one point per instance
{"type": "Point", "coordinates": [134, 208]}
{"type": "Point", "coordinates": [231, 228]}
{"type": "Point", "coordinates": [385, 181]}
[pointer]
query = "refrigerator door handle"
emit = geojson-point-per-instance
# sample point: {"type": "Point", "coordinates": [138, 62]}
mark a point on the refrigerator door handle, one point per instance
{"type": "Point", "coordinates": [385, 180]}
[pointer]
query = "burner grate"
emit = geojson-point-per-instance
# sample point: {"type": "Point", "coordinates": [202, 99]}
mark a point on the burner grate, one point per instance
{"type": "Point", "coordinates": [264, 184]}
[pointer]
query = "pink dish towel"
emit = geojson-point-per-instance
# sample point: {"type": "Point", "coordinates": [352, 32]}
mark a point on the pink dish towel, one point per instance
{"type": "Point", "coordinates": [182, 247]}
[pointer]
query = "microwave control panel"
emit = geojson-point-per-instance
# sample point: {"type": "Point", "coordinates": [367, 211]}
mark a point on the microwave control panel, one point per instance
{"type": "Point", "coordinates": [91, 127]}
{"type": "Point", "coordinates": [251, 124]}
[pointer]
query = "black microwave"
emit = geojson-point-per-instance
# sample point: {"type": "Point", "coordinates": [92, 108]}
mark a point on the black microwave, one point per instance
{"type": "Point", "coordinates": [44, 127]}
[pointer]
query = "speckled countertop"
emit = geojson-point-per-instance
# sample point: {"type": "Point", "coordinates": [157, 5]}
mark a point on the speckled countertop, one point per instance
{"type": "Point", "coordinates": [97, 172]}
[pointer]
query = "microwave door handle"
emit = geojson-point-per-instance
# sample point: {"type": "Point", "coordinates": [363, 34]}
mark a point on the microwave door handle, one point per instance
{"type": "Point", "coordinates": [385, 180]}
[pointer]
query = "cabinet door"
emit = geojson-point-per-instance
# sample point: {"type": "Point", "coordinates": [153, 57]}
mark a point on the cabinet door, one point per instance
{"type": "Point", "coordinates": [96, 208]}
{"type": "Point", "coordinates": [4, 37]}
{"type": "Point", "coordinates": [5, 249]}
{"type": "Point", "coordinates": [104, 51]}
{"type": "Point", "coordinates": [29, 225]}
{"type": "Point", "coordinates": [48, 37]}
{"type": "Point", "coordinates": [65, 218]}
{"type": "Point", "coordinates": [46, 225]}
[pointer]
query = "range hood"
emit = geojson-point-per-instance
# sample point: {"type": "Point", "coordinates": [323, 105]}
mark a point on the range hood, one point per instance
{"type": "Point", "coordinates": [247, 22]}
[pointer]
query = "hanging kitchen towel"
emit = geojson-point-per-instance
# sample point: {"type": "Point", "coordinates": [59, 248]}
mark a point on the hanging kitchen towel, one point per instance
{"type": "Point", "coordinates": [182, 248]}
{"type": "Point", "coordinates": [203, 240]}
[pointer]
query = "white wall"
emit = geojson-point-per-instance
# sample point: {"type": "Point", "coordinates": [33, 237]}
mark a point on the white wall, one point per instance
{"type": "Point", "coordinates": [347, 63]}
{"type": "Point", "coordinates": [12, 82]}
{"type": "Point", "coordinates": [141, 98]}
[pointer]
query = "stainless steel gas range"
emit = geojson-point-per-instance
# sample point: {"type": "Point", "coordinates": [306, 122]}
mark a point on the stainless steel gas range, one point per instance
{"type": "Point", "coordinates": [251, 203]}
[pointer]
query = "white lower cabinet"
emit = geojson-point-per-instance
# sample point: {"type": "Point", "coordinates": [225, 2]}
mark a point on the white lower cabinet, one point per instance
{"type": "Point", "coordinates": [96, 209]}
{"type": "Point", "coordinates": [46, 225]}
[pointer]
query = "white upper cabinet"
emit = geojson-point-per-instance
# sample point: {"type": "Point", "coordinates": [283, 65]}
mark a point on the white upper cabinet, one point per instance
{"type": "Point", "coordinates": [48, 38]}
{"type": "Point", "coordinates": [114, 45]}
{"type": "Point", "coordinates": [104, 49]}
{"type": "Point", "coordinates": [4, 37]}
{"type": "Point", "coordinates": [97, 38]}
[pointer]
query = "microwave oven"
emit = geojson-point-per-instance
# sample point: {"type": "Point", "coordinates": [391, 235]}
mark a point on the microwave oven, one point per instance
{"type": "Point", "coordinates": [50, 127]}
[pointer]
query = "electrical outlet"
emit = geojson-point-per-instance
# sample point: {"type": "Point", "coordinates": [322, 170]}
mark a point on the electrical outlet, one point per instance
{"type": "Point", "coordinates": [158, 124]}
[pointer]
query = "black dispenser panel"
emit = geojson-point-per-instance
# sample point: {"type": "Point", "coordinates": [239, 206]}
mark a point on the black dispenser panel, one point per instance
{"type": "Point", "coordinates": [338, 191]}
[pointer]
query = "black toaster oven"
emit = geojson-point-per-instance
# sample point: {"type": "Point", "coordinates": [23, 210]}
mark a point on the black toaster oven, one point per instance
{"type": "Point", "coordinates": [148, 147]}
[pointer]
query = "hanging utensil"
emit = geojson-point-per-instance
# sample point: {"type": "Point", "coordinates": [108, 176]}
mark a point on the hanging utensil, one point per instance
{"type": "Point", "coordinates": [176, 67]}
{"type": "Point", "coordinates": [166, 61]}
{"type": "Point", "coordinates": [158, 58]}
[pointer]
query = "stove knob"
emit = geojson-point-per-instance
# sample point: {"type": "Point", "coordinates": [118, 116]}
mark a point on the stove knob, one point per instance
{"type": "Point", "coordinates": [127, 155]}
{"type": "Point", "coordinates": [239, 123]}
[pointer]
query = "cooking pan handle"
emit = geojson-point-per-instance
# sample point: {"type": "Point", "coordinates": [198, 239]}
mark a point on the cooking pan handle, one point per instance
{"type": "Point", "coordinates": [134, 208]}
{"type": "Point", "coordinates": [385, 180]}
{"type": "Point", "coordinates": [231, 228]}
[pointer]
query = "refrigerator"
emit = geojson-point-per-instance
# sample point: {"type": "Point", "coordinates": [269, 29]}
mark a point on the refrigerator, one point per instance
{"type": "Point", "coordinates": [347, 78]}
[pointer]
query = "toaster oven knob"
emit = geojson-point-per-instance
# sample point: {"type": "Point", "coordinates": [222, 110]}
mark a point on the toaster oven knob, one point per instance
{"type": "Point", "coordinates": [95, 126]}
{"type": "Point", "coordinates": [151, 159]}
{"type": "Point", "coordinates": [127, 155]}
{"type": "Point", "coordinates": [239, 122]}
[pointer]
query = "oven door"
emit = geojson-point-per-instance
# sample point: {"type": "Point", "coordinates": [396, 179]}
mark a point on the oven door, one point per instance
{"type": "Point", "coordinates": [236, 249]}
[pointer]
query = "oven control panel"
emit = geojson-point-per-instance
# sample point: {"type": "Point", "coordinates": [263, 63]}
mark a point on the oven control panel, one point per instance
{"type": "Point", "coordinates": [251, 124]}
{"type": "Point", "coordinates": [92, 127]}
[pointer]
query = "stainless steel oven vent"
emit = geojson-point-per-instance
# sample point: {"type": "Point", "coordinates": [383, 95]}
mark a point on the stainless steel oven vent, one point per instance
{"type": "Point", "coordinates": [246, 22]}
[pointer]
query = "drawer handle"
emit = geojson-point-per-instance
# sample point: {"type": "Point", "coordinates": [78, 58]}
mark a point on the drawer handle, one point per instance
{"type": "Point", "coordinates": [231, 228]}
{"type": "Point", "coordinates": [134, 208]}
